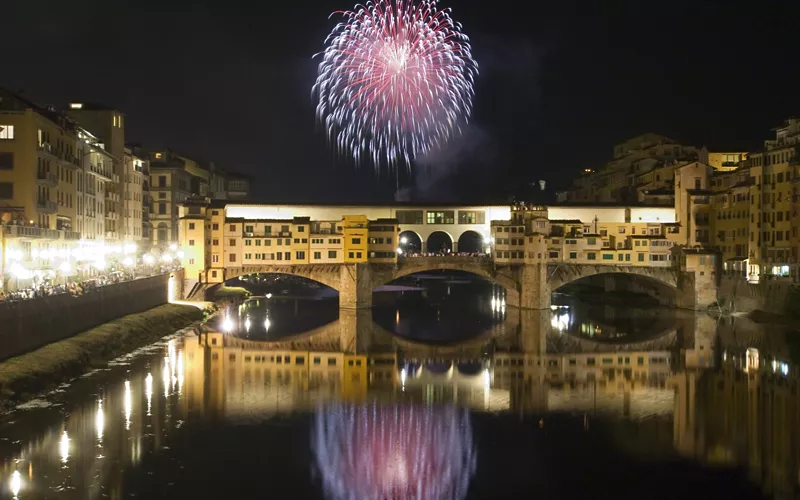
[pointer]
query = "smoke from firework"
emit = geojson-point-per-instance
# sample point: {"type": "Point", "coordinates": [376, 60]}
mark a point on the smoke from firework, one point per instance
{"type": "Point", "coordinates": [396, 80]}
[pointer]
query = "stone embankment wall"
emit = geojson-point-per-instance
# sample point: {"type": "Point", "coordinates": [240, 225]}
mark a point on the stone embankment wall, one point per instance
{"type": "Point", "coordinates": [29, 324]}
{"type": "Point", "coordinates": [771, 296]}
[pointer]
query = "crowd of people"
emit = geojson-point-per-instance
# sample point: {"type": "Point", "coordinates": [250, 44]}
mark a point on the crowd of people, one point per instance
{"type": "Point", "coordinates": [48, 287]}
{"type": "Point", "coordinates": [445, 253]}
{"type": "Point", "coordinates": [45, 287]}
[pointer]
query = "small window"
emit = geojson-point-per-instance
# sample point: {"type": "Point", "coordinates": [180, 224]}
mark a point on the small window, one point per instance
{"type": "Point", "coordinates": [331, 361]}
{"type": "Point", "coordinates": [191, 226]}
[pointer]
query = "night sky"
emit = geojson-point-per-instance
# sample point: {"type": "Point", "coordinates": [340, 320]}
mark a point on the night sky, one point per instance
{"type": "Point", "coordinates": [560, 83]}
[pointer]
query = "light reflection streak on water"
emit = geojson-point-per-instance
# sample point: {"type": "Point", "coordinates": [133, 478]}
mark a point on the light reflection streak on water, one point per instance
{"type": "Point", "coordinates": [180, 372]}
{"type": "Point", "coordinates": [99, 422]}
{"type": "Point", "coordinates": [128, 404]}
{"type": "Point", "coordinates": [16, 483]}
{"type": "Point", "coordinates": [165, 377]}
{"type": "Point", "coordinates": [63, 447]}
{"type": "Point", "coordinates": [148, 391]}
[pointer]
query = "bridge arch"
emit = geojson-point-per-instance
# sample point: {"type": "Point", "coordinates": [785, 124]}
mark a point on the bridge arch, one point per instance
{"type": "Point", "coordinates": [438, 241]}
{"type": "Point", "coordinates": [650, 279]}
{"type": "Point", "coordinates": [470, 242]}
{"type": "Point", "coordinates": [477, 266]}
{"type": "Point", "coordinates": [328, 275]}
{"type": "Point", "coordinates": [410, 241]}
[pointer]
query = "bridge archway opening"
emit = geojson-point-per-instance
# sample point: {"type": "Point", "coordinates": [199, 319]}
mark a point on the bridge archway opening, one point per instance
{"type": "Point", "coordinates": [470, 242]}
{"type": "Point", "coordinates": [410, 242]}
{"type": "Point", "coordinates": [617, 288]}
{"type": "Point", "coordinates": [439, 242]}
{"type": "Point", "coordinates": [280, 286]}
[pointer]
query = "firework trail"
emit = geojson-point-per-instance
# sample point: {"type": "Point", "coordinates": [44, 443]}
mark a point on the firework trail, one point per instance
{"type": "Point", "coordinates": [394, 451]}
{"type": "Point", "coordinates": [395, 80]}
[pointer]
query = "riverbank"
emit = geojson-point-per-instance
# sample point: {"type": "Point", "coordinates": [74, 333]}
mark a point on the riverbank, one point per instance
{"type": "Point", "coordinates": [24, 376]}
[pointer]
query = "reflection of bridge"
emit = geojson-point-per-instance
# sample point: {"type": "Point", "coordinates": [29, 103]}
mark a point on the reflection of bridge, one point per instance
{"type": "Point", "coordinates": [528, 286]}
{"type": "Point", "coordinates": [510, 365]}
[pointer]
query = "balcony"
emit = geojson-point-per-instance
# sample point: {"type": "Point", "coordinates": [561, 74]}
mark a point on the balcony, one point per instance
{"type": "Point", "coordinates": [46, 178]}
{"type": "Point", "coordinates": [100, 172]}
{"type": "Point", "coordinates": [112, 235]}
{"type": "Point", "coordinates": [110, 196]}
{"type": "Point", "coordinates": [112, 215]}
{"type": "Point", "coordinates": [30, 232]}
{"type": "Point", "coordinates": [46, 206]}
{"type": "Point", "coordinates": [71, 235]}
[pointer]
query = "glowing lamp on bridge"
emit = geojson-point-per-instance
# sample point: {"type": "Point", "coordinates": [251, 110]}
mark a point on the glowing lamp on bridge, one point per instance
{"type": "Point", "coordinates": [128, 262]}
{"type": "Point", "coordinates": [227, 324]}
{"type": "Point", "coordinates": [149, 259]}
{"type": "Point", "coordinates": [376, 451]}
{"type": "Point", "coordinates": [173, 247]}
{"type": "Point", "coordinates": [166, 257]}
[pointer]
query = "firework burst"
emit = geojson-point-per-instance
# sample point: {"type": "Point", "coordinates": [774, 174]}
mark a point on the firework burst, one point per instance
{"type": "Point", "coordinates": [395, 80]}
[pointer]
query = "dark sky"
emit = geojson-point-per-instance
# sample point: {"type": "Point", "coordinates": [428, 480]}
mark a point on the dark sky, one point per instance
{"type": "Point", "coordinates": [560, 83]}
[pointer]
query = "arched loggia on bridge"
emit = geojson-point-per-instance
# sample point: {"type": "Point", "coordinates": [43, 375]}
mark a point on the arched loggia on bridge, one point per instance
{"type": "Point", "coordinates": [439, 242]}
{"type": "Point", "coordinates": [410, 242]}
{"type": "Point", "coordinates": [470, 242]}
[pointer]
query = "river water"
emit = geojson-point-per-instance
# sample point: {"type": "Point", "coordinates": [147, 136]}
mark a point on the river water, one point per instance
{"type": "Point", "coordinates": [440, 391]}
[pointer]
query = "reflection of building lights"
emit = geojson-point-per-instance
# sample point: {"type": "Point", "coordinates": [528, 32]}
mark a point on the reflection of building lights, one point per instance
{"type": "Point", "coordinates": [487, 380]}
{"type": "Point", "coordinates": [560, 321]}
{"type": "Point", "coordinates": [16, 483]}
{"type": "Point", "coordinates": [752, 359]}
{"type": "Point", "coordinates": [394, 451]}
{"type": "Point", "coordinates": [128, 404]}
{"type": "Point", "coordinates": [403, 376]}
{"type": "Point", "coordinates": [785, 369]}
{"type": "Point", "coordinates": [148, 391]}
{"type": "Point", "coordinates": [179, 369]}
{"type": "Point", "coordinates": [165, 377]}
{"type": "Point", "coordinates": [247, 324]}
{"type": "Point", "coordinates": [99, 421]}
{"type": "Point", "coordinates": [63, 447]}
{"type": "Point", "coordinates": [267, 324]}
{"type": "Point", "coordinates": [269, 295]}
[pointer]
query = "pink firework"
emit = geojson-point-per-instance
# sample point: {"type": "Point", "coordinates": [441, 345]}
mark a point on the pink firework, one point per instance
{"type": "Point", "coordinates": [394, 452]}
{"type": "Point", "coordinates": [395, 81]}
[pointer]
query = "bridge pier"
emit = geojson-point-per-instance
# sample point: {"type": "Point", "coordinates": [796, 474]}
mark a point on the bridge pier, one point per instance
{"type": "Point", "coordinates": [534, 290]}
{"type": "Point", "coordinates": [355, 288]}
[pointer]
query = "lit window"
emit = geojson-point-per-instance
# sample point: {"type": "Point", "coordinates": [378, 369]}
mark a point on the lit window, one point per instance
{"type": "Point", "coordinates": [76, 105]}
{"type": "Point", "coordinates": [6, 131]}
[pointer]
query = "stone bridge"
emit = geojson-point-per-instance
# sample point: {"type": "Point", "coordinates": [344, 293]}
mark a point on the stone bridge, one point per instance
{"type": "Point", "coordinates": [528, 286]}
{"type": "Point", "coordinates": [560, 274]}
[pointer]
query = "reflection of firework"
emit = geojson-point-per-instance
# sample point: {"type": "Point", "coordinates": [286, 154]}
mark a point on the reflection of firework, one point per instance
{"type": "Point", "coordinates": [395, 80]}
{"type": "Point", "coordinates": [394, 452]}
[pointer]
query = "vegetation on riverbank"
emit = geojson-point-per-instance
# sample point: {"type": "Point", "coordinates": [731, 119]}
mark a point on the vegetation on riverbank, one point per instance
{"type": "Point", "coordinates": [24, 376]}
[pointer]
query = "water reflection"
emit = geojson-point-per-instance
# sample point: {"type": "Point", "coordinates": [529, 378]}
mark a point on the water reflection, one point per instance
{"type": "Point", "coordinates": [726, 393]}
{"type": "Point", "coordinates": [393, 451]}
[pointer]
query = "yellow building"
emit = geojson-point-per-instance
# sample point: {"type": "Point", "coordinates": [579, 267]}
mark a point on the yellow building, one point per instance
{"type": "Point", "coordinates": [355, 233]}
